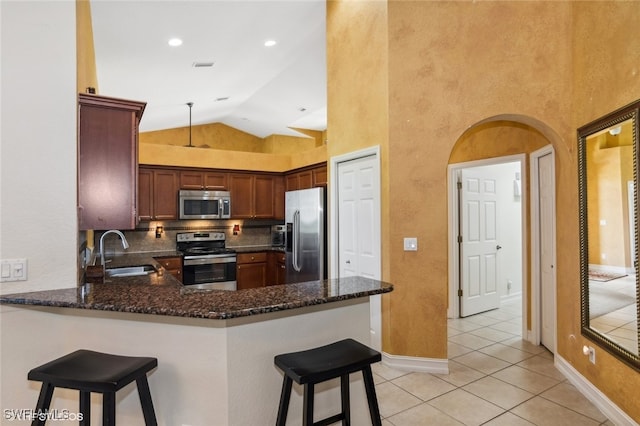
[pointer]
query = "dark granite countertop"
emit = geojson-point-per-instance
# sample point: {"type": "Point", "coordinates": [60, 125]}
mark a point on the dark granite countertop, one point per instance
{"type": "Point", "coordinates": [160, 294]}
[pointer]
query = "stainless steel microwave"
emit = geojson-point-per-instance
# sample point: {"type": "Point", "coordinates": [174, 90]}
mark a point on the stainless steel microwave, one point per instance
{"type": "Point", "coordinates": [204, 204]}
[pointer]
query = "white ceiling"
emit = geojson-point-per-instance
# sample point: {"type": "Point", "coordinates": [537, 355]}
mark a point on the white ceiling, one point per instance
{"type": "Point", "coordinates": [266, 87]}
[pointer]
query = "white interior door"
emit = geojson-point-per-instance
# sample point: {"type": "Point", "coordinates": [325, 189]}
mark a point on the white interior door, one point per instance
{"type": "Point", "coordinates": [359, 218]}
{"type": "Point", "coordinates": [357, 196]}
{"type": "Point", "coordinates": [479, 241]}
{"type": "Point", "coordinates": [546, 197]}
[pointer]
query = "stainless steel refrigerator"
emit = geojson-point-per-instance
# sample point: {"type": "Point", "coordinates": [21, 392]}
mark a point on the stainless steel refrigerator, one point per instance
{"type": "Point", "coordinates": [306, 245]}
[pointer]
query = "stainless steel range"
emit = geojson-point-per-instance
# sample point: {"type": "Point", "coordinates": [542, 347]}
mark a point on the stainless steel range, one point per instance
{"type": "Point", "coordinates": [208, 264]}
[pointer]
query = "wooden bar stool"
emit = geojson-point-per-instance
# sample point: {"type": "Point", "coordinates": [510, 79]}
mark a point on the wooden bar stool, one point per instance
{"type": "Point", "coordinates": [324, 363]}
{"type": "Point", "coordinates": [89, 371]}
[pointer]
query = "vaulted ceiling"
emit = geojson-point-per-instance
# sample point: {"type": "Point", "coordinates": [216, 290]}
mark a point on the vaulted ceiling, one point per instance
{"type": "Point", "coordinates": [257, 89]}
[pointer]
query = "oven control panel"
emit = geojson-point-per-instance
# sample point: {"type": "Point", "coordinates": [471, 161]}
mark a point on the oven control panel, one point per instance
{"type": "Point", "coordinates": [200, 236]}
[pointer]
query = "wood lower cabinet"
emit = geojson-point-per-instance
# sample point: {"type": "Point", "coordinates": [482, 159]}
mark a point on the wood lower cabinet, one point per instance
{"type": "Point", "coordinates": [252, 196]}
{"type": "Point", "coordinates": [157, 194]}
{"type": "Point", "coordinates": [251, 270]}
{"type": "Point", "coordinates": [107, 162]}
{"type": "Point", "coordinates": [172, 265]}
{"type": "Point", "coordinates": [277, 268]}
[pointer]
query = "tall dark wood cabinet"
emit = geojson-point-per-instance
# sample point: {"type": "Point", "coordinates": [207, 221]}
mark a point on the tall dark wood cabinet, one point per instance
{"type": "Point", "coordinates": [107, 162]}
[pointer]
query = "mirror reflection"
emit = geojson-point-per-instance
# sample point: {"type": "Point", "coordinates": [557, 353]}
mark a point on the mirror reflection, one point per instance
{"type": "Point", "coordinates": [611, 235]}
{"type": "Point", "coordinates": [608, 207]}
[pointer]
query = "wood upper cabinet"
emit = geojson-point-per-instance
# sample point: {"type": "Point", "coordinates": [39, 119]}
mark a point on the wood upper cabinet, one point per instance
{"type": "Point", "coordinates": [107, 162]}
{"type": "Point", "coordinates": [157, 194]}
{"type": "Point", "coordinates": [278, 198]}
{"type": "Point", "coordinates": [309, 177]}
{"type": "Point", "coordinates": [320, 176]}
{"type": "Point", "coordinates": [251, 270]}
{"type": "Point", "coordinates": [252, 195]}
{"type": "Point", "coordinates": [211, 181]}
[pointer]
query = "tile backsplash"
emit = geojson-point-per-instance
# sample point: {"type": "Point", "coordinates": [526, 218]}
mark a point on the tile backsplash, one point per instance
{"type": "Point", "coordinates": [143, 239]}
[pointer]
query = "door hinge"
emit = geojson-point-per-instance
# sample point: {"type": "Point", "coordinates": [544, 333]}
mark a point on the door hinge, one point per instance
{"type": "Point", "coordinates": [459, 239]}
{"type": "Point", "coordinates": [459, 292]}
{"type": "Point", "coordinates": [459, 184]}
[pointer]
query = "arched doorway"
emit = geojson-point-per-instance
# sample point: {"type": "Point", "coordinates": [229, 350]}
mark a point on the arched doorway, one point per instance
{"type": "Point", "coordinates": [498, 140]}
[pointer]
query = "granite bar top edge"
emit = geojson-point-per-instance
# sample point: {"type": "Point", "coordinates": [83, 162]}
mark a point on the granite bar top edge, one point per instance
{"type": "Point", "coordinates": [178, 301]}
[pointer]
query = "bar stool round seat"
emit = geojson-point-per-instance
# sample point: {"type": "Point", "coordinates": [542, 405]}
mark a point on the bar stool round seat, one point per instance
{"type": "Point", "coordinates": [89, 371]}
{"type": "Point", "coordinates": [313, 366]}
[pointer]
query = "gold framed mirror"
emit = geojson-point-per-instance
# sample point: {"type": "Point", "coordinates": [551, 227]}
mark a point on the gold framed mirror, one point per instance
{"type": "Point", "coordinates": [607, 185]}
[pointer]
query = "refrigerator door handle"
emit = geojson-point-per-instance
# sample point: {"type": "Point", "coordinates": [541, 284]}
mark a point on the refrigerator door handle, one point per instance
{"type": "Point", "coordinates": [296, 241]}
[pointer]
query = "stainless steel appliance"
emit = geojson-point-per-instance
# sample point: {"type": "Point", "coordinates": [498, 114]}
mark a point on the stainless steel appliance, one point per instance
{"type": "Point", "coordinates": [208, 264]}
{"type": "Point", "coordinates": [278, 233]}
{"type": "Point", "coordinates": [204, 204]}
{"type": "Point", "coordinates": [306, 238]}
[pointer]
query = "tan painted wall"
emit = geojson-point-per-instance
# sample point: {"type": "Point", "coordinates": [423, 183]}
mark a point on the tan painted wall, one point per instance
{"type": "Point", "coordinates": [449, 70]}
{"type": "Point", "coordinates": [86, 60]}
{"type": "Point", "coordinates": [608, 171]}
{"type": "Point", "coordinates": [167, 155]}
{"type": "Point", "coordinates": [358, 98]}
{"type": "Point", "coordinates": [606, 76]}
{"type": "Point", "coordinates": [230, 148]}
{"type": "Point", "coordinates": [215, 135]}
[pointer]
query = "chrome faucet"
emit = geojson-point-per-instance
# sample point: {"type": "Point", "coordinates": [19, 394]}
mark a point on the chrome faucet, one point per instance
{"type": "Point", "coordinates": [125, 244]}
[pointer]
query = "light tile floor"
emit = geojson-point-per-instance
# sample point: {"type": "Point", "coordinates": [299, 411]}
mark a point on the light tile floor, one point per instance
{"type": "Point", "coordinates": [620, 325]}
{"type": "Point", "coordinates": [495, 378]}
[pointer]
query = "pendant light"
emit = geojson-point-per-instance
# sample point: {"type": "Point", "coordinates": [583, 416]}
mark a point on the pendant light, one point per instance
{"type": "Point", "coordinates": [190, 105]}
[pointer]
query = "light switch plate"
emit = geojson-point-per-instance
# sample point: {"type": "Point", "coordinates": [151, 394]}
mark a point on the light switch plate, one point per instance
{"type": "Point", "coordinates": [13, 270]}
{"type": "Point", "coordinates": [411, 244]}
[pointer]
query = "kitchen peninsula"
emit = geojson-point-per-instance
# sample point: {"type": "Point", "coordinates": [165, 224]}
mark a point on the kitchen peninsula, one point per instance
{"type": "Point", "coordinates": [215, 348]}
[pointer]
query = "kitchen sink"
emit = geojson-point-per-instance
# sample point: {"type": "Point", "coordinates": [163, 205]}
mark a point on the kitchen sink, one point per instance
{"type": "Point", "coordinates": [130, 271]}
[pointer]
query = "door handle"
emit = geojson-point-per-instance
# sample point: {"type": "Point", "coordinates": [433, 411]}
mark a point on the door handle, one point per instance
{"type": "Point", "coordinates": [348, 262]}
{"type": "Point", "coordinates": [498, 247]}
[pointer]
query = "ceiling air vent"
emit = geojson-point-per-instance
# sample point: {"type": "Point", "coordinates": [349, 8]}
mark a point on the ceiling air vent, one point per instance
{"type": "Point", "coordinates": [202, 64]}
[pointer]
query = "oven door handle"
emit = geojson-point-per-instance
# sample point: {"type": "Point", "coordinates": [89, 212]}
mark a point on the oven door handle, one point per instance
{"type": "Point", "coordinates": [210, 260]}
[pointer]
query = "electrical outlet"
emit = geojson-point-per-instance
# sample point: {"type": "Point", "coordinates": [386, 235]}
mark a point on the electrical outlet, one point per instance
{"type": "Point", "coordinates": [590, 352]}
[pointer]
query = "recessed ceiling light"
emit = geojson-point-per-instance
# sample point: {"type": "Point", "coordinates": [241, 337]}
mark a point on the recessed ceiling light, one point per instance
{"type": "Point", "coordinates": [270, 43]}
{"type": "Point", "coordinates": [202, 64]}
{"type": "Point", "coordinates": [174, 42]}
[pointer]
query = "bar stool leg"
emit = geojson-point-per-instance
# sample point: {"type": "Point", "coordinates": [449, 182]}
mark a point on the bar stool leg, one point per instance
{"type": "Point", "coordinates": [307, 410]}
{"type": "Point", "coordinates": [109, 409]}
{"type": "Point", "coordinates": [85, 408]}
{"type": "Point", "coordinates": [371, 396]}
{"type": "Point", "coordinates": [344, 396]}
{"type": "Point", "coordinates": [146, 402]}
{"type": "Point", "coordinates": [44, 400]}
{"type": "Point", "coordinates": [285, 395]}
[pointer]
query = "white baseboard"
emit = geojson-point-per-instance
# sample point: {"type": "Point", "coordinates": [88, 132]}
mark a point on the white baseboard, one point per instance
{"type": "Point", "coordinates": [422, 365]}
{"type": "Point", "coordinates": [593, 394]}
{"type": "Point", "coordinates": [509, 297]}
